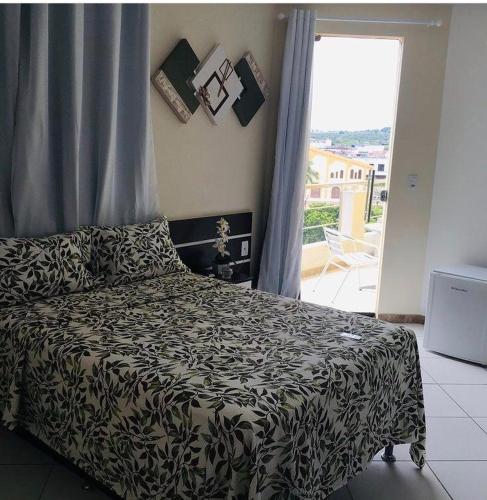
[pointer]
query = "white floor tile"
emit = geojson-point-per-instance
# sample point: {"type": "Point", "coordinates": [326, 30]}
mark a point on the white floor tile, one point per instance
{"type": "Point", "coordinates": [16, 450]}
{"type": "Point", "coordinates": [22, 482]}
{"type": "Point", "coordinates": [427, 354]}
{"type": "Point", "coordinates": [482, 422]}
{"type": "Point", "coordinates": [64, 484]}
{"type": "Point", "coordinates": [341, 494]}
{"type": "Point", "coordinates": [472, 398]}
{"type": "Point", "coordinates": [426, 377]}
{"type": "Point", "coordinates": [415, 327]}
{"type": "Point", "coordinates": [439, 404]}
{"type": "Point", "coordinates": [399, 481]}
{"type": "Point", "coordinates": [454, 439]}
{"type": "Point", "coordinates": [449, 371]}
{"type": "Point", "coordinates": [424, 353]}
{"type": "Point", "coordinates": [463, 480]}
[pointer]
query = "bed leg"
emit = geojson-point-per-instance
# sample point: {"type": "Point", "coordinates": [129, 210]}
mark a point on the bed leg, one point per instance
{"type": "Point", "coordinates": [388, 455]}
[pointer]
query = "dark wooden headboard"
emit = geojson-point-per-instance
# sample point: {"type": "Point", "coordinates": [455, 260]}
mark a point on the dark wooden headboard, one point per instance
{"type": "Point", "coordinates": [194, 239]}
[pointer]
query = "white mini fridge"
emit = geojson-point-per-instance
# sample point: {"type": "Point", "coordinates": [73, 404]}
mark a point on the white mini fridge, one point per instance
{"type": "Point", "coordinates": [456, 319]}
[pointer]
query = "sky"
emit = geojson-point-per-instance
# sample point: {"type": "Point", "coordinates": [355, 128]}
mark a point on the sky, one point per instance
{"type": "Point", "coordinates": [354, 83]}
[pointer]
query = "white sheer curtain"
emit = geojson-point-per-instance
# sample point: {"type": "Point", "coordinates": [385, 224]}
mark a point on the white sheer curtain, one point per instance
{"type": "Point", "coordinates": [280, 267]}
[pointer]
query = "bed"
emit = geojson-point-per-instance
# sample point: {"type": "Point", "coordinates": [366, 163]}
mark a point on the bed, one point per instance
{"type": "Point", "coordinates": [181, 386]}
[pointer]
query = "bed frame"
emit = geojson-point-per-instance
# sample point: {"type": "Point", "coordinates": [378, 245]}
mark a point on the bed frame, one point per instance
{"type": "Point", "coordinates": [388, 455]}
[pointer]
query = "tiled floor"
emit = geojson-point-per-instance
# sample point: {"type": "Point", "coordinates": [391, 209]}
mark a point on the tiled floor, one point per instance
{"type": "Point", "coordinates": [350, 297]}
{"type": "Point", "coordinates": [456, 409]}
{"type": "Point", "coordinates": [455, 395]}
{"type": "Point", "coordinates": [27, 473]}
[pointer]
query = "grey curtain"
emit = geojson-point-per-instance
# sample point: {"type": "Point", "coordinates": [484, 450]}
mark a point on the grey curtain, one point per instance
{"type": "Point", "coordinates": [280, 266]}
{"type": "Point", "coordinates": [76, 139]}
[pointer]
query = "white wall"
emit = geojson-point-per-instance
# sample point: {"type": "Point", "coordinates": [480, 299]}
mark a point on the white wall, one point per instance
{"type": "Point", "coordinates": [458, 225]}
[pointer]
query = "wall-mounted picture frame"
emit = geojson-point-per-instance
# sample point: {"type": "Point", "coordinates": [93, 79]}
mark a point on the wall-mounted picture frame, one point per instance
{"type": "Point", "coordinates": [171, 80]}
{"type": "Point", "coordinates": [216, 84]}
{"type": "Point", "coordinates": [255, 90]}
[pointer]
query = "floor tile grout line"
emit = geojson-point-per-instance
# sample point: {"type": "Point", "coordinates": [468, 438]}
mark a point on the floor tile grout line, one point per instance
{"type": "Point", "coordinates": [460, 383]}
{"type": "Point", "coordinates": [458, 404]}
{"type": "Point", "coordinates": [476, 423]}
{"type": "Point", "coordinates": [427, 373]}
{"type": "Point", "coordinates": [45, 482]}
{"type": "Point", "coordinates": [444, 416]}
{"type": "Point", "coordinates": [466, 412]}
{"type": "Point", "coordinates": [458, 460]}
{"type": "Point", "coordinates": [399, 460]}
{"type": "Point", "coordinates": [27, 463]}
{"type": "Point", "coordinates": [446, 383]}
{"type": "Point", "coordinates": [349, 492]}
{"type": "Point", "coordinates": [439, 480]}
{"type": "Point", "coordinates": [462, 460]}
{"type": "Point", "coordinates": [460, 361]}
{"type": "Point", "coordinates": [466, 416]}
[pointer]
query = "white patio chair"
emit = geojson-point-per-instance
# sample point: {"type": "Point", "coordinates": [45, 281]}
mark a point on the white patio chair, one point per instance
{"type": "Point", "coordinates": [338, 257]}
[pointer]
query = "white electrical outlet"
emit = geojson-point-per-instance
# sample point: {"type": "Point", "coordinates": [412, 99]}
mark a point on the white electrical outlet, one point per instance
{"type": "Point", "coordinates": [245, 248]}
{"type": "Point", "coordinates": [413, 182]}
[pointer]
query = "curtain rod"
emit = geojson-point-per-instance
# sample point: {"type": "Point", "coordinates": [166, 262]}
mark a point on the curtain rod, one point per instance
{"type": "Point", "coordinates": [430, 23]}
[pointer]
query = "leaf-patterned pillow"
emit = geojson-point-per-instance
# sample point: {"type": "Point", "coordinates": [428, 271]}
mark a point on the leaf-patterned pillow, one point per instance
{"type": "Point", "coordinates": [135, 252]}
{"type": "Point", "coordinates": [31, 268]}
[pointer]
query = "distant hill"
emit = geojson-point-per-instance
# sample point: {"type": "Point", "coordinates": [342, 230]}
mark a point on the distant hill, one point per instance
{"type": "Point", "coordinates": [357, 137]}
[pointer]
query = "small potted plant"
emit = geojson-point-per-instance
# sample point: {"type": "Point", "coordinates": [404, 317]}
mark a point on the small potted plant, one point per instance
{"type": "Point", "coordinates": [221, 263]}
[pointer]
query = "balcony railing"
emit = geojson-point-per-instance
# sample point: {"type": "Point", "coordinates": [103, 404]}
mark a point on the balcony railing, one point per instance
{"type": "Point", "coordinates": [314, 234]}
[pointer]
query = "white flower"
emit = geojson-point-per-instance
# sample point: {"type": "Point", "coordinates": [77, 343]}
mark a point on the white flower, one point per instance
{"type": "Point", "coordinates": [222, 226]}
{"type": "Point", "coordinates": [222, 229]}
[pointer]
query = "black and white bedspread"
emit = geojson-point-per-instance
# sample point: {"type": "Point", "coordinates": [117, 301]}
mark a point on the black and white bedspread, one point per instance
{"type": "Point", "coordinates": [185, 387]}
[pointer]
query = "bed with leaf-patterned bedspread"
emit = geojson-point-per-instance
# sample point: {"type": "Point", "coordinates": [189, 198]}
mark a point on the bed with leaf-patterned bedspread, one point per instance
{"type": "Point", "coordinates": [185, 387]}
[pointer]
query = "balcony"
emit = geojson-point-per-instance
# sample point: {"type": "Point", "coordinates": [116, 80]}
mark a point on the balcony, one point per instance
{"type": "Point", "coordinates": [350, 280]}
{"type": "Point", "coordinates": [350, 297]}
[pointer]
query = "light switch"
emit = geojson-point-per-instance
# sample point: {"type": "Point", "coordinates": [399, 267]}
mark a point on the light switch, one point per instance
{"type": "Point", "coordinates": [245, 248]}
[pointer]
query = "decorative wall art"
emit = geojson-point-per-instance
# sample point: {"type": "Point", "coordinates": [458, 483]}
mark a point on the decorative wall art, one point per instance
{"type": "Point", "coordinates": [184, 83]}
{"type": "Point", "coordinates": [255, 89]}
{"type": "Point", "coordinates": [216, 84]}
{"type": "Point", "coordinates": [171, 80]}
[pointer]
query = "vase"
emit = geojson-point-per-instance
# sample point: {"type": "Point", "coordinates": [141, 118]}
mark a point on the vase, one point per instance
{"type": "Point", "coordinates": [221, 266]}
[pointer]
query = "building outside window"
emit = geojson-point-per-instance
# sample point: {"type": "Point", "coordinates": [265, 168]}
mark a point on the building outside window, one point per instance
{"type": "Point", "coordinates": [315, 192]}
